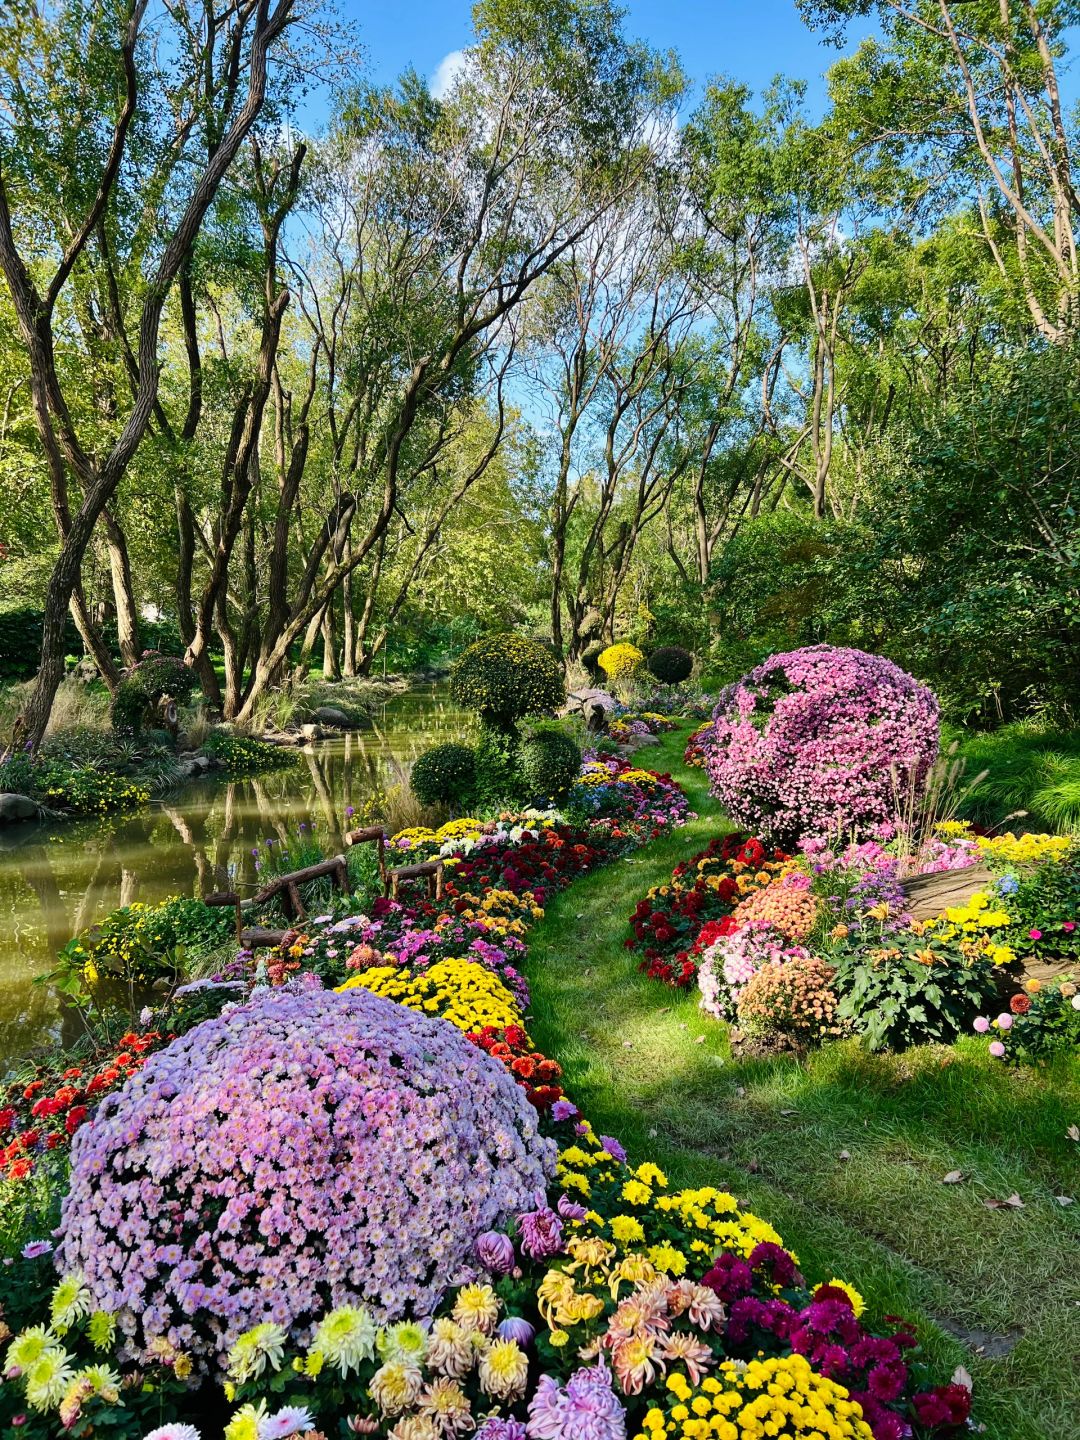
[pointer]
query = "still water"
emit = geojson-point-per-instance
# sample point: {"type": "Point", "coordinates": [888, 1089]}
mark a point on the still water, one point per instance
{"type": "Point", "coordinates": [56, 880]}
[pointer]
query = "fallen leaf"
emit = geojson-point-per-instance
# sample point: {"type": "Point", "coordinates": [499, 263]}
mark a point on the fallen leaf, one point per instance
{"type": "Point", "coordinates": [1064, 1199]}
{"type": "Point", "coordinates": [665, 1011]}
{"type": "Point", "coordinates": [627, 1044]}
{"type": "Point", "coordinates": [1073, 1132]}
{"type": "Point", "coordinates": [845, 1154]}
{"type": "Point", "coordinates": [740, 1090]}
{"type": "Point", "coordinates": [953, 1177]}
{"type": "Point", "coordinates": [699, 1040]}
{"type": "Point", "coordinates": [961, 1377]}
{"type": "Point", "coordinates": [754, 1167]}
{"type": "Point", "coordinates": [789, 1112]}
{"type": "Point", "coordinates": [1012, 1202]}
{"type": "Point", "coordinates": [652, 1132]}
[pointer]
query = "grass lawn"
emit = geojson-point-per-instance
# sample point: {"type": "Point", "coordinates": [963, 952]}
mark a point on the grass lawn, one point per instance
{"type": "Point", "coordinates": [845, 1154]}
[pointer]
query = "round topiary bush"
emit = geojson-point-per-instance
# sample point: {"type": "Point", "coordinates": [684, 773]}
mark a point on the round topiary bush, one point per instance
{"type": "Point", "coordinates": [507, 677]}
{"type": "Point", "coordinates": [444, 775]}
{"type": "Point", "coordinates": [818, 741]}
{"type": "Point", "coordinates": [550, 762]}
{"type": "Point", "coordinates": [144, 685]}
{"type": "Point", "coordinates": [303, 1151]}
{"type": "Point", "coordinates": [621, 660]}
{"type": "Point", "coordinates": [671, 664]}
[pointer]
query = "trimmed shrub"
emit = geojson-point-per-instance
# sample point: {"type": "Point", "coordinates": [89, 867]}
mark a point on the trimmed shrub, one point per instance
{"type": "Point", "coordinates": [671, 664]}
{"type": "Point", "coordinates": [507, 677]}
{"type": "Point", "coordinates": [144, 685]}
{"type": "Point", "coordinates": [498, 767]}
{"type": "Point", "coordinates": [444, 775]}
{"type": "Point", "coordinates": [819, 741]}
{"type": "Point", "coordinates": [620, 661]}
{"type": "Point", "coordinates": [550, 762]}
{"type": "Point", "coordinates": [278, 1161]}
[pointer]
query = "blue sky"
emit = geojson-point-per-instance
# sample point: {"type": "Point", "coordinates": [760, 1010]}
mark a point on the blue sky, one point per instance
{"type": "Point", "coordinates": [750, 40]}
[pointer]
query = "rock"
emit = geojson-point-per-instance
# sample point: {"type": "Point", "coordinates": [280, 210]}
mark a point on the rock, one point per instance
{"type": "Point", "coordinates": [332, 716]}
{"type": "Point", "coordinates": [14, 808]}
{"type": "Point", "coordinates": [933, 894]}
{"type": "Point", "coordinates": [311, 732]}
{"type": "Point", "coordinates": [194, 765]}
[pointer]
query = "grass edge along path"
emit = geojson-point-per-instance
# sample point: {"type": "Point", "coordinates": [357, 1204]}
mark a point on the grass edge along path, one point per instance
{"type": "Point", "coordinates": [846, 1155]}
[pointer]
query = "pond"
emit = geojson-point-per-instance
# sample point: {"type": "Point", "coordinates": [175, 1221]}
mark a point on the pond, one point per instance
{"type": "Point", "coordinates": [55, 880]}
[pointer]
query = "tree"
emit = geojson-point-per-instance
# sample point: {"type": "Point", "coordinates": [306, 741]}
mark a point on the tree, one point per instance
{"type": "Point", "coordinates": [190, 142]}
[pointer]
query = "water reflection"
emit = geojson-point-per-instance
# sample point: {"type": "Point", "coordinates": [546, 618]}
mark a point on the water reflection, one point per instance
{"type": "Point", "coordinates": [55, 881]}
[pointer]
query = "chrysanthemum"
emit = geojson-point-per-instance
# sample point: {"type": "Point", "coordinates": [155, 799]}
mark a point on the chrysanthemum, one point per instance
{"type": "Point", "coordinates": [449, 1350]}
{"type": "Point", "coordinates": [244, 1425]}
{"type": "Point", "coordinates": [29, 1345]}
{"type": "Point", "coordinates": [406, 1341]}
{"type": "Point", "coordinates": [445, 1403]}
{"type": "Point", "coordinates": [345, 1338]}
{"type": "Point", "coordinates": [173, 1432]}
{"type": "Point", "coordinates": [71, 1300]}
{"type": "Point", "coordinates": [48, 1378]}
{"type": "Point", "coordinates": [476, 1308]}
{"type": "Point", "coordinates": [258, 1347]}
{"type": "Point", "coordinates": [682, 1349]}
{"type": "Point", "coordinates": [289, 1420]}
{"type": "Point", "coordinates": [396, 1386]}
{"type": "Point", "coordinates": [504, 1368]}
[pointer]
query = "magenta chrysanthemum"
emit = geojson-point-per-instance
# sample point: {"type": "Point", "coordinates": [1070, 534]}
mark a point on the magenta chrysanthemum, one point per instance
{"type": "Point", "coordinates": [303, 1151]}
{"type": "Point", "coordinates": [814, 741]}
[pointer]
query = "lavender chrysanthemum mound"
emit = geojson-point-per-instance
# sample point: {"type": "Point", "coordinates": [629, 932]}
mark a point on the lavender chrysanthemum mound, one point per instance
{"type": "Point", "coordinates": [817, 741]}
{"type": "Point", "coordinates": [305, 1150]}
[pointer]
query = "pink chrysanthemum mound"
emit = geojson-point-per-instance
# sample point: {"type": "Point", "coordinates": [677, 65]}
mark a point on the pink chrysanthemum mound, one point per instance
{"type": "Point", "coordinates": [787, 905]}
{"type": "Point", "coordinates": [306, 1150]}
{"type": "Point", "coordinates": [809, 742]}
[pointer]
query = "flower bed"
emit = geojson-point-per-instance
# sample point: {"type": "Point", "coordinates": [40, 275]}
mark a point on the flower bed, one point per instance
{"type": "Point", "coordinates": [412, 1269]}
{"type": "Point", "coordinates": [736, 908]}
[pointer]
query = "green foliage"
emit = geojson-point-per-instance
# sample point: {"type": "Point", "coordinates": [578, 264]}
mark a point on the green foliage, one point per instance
{"type": "Point", "coordinates": [498, 767]}
{"type": "Point", "coordinates": [444, 775]}
{"type": "Point", "coordinates": [1032, 768]}
{"type": "Point", "coordinates": [506, 677]}
{"type": "Point", "coordinates": [894, 1000]}
{"type": "Point", "coordinates": [244, 755]}
{"type": "Point", "coordinates": [1049, 1029]}
{"type": "Point", "coordinates": [142, 687]}
{"type": "Point", "coordinates": [550, 761]}
{"type": "Point", "coordinates": [143, 942]}
{"type": "Point", "coordinates": [20, 642]}
{"type": "Point", "coordinates": [671, 664]}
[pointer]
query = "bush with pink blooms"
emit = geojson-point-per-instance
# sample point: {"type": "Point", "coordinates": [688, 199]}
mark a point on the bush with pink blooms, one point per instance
{"type": "Point", "coordinates": [818, 741]}
{"type": "Point", "coordinates": [729, 964]}
{"type": "Point", "coordinates": [303, 1151]}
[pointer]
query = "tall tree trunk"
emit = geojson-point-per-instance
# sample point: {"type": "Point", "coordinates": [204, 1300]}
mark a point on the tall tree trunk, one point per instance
{"type": "Point", "coordinates": [127, 620]}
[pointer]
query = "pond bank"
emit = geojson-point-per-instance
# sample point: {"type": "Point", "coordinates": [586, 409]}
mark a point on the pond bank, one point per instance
{"type": "Point", "coordinates": [57, 878]}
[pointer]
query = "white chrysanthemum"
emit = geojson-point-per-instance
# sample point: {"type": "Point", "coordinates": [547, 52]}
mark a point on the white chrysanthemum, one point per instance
{"type": "Point", "coordinates": [290, 1420]}
{"type": "Point", "coordinates": [345, 1338]}
{"type": "Point", "coordinates": [29, 1345]}
{"type": "Point", "coordinates": [48, 1378]}
{"type": "Point", "coordinates": [258, 1347]}
{"type": "Point", "coordinates": [71, 1300]}
{"type": "Point", "coordinates": [174, 1432]}
{"type": "Point", "coordinates": [406, 1341]}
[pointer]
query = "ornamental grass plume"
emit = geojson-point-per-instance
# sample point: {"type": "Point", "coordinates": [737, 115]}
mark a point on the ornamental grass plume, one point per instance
{"type": "Point", "coordinates": [818, 741]}
{"type": "Point", "coordinates": [301, 1152]}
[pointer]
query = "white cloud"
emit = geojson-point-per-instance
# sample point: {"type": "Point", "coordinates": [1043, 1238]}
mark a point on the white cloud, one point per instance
{"type": "Point", "coordinates": [449, 67]}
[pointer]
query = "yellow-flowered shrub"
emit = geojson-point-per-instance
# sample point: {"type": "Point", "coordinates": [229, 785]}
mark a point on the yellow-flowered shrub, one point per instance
{"type": "Point", "coordinates": [620, 661]}
{"type": "Point", "coordinates": [1010, 849]}
{"type": "Point", "coordinates": [467, 994]}
{"type": "Point", "coordinates": [780, 1397]}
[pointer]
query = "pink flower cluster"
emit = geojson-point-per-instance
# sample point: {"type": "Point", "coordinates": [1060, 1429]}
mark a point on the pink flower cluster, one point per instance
{"type": "Point", "coordinates": [729, 964]}
{"type": "Point", "coordinates": [808, 743]}
{"type": "Point", "coordinates": [786, 904]}
{"type": "Point", "coordinates": [303, 1151]}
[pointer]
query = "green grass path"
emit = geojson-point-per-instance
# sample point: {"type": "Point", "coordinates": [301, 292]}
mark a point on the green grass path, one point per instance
{"type": "Point", "coordinates": [844, 1155]}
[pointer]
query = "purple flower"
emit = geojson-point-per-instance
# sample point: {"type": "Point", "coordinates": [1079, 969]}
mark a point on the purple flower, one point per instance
{"type": "Point", "coordinates": [563, 1110]}
{"type": "Point", "coordinates": [495, 1251]}
{"type": "Point", "coordinates": [613, 1148]}
{"type": "Point", "coordinates": [569, 1210]}
{"type": "Point", "coordinates": [541, 1233]}
{"type": "Point", "coordinates": [516, 1329]}
{"type": "Point", "coordinates": [36, 1248]}
{"type": "Point", "coordinates": [495, 1429]}
{"type": "Point", "coordinates": [587, 1409]}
